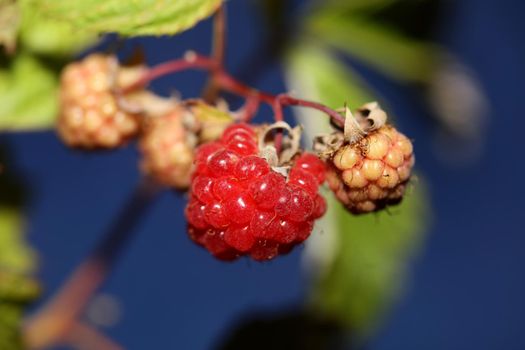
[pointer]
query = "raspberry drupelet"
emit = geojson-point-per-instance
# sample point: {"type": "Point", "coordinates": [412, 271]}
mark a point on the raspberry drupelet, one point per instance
{"type": "Point", "coordinates": [90, 115]}
{"type": "Point", "coordinates": [240, 206]}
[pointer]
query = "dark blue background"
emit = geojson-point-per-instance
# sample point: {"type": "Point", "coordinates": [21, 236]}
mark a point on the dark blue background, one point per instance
{"type": "Point", "coordinates": [467, 287]}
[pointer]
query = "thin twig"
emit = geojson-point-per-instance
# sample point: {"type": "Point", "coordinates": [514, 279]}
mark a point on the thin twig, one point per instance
{"type": "Point", "coordinates": [190, 61]}
{"type": "Point", "coordinates": [84, 337]}
{"type": "Point", "coordinates": [211, 91]}
{"type": "Point", "coordinates": [250, 108]}
{"type": "Point", "coordinates": [228, 83]}
{"type": "Point", "coordinates": [292, 101]}
{"type": "Point", "coordinates": [55, 319]}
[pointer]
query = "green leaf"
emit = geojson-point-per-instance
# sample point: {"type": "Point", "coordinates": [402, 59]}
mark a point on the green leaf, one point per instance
{"type": "Point", "coordinates": [17, 262]}
{"type": "Point", "coordinates": [369, 269]}
{"type": "Point", "coordinates": [10, 323]}
{"type": "Point", "coordinates": [9, 22]}
{"type": "Point", "coordinates": [28, 94]}
{"type": "Point", "coordinates": [46, 36]}
{"type": "Point", "coordinates": [382, 48]}
{"type": "Point", "coordinates": [351, 5]}
{"type": "Point", "coordinates": [15, 255]}
{"type": "Point", "coordinates": [138, 17]}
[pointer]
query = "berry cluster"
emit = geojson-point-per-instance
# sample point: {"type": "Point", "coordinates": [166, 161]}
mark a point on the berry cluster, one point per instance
{"type": "Point", "coordinates": [167, 149]}
{"type": "Point", "coordinates": [90, 115]}
{"type": "Point", "coordinates": [372, 173]}
{"type": "Point", "coordinates": [248, 196]}
{"type": "Point", "coordinates": [240, 206]}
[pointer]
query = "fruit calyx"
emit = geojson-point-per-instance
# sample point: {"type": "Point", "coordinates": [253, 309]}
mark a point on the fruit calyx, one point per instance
{"type": "Point", "coordinates": [279, 149]}
{"type": "Point", "coordinates": [365, 120]}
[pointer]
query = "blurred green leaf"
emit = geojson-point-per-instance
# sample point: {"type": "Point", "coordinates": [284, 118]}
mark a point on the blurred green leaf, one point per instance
{"type": "Point", "coordinates": [317, 70]}
{"type": "Point", "coordinates": [381, 47]}
{"type": "Point", "coordinates": [363, 258]}
{"type": "Point", "coordinates": [10, 320]}
{"type": "Point", "coordinates": [138, 17]}
{"type": "Point", "coordinates": [9, 22]}
{"type": "Point", "coordinates": [15, 255]}
{"type": "Point", "coordinates": [17, 260]}
{"type": "Point", "coordinates": [370, 265]}
{"type": "Point", "coordinates": [46, 36]}
{"type": "Point", "coordinates": [17, 287]}
{"type": "Point", "coordinates": [28, 94]}
{"type": "Point", "coordinates": [351, 5]}
{"type": "Point", "coordinates": [316, 74]}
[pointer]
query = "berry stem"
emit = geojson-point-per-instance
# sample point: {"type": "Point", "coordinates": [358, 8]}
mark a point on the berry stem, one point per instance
{"type": "Point", "coordinates": [219, 36]}
{"type": "Point", "coordinates": [190, 61]}
{"type": "Point", "coordinates": [82, 336]}
{"type": "Point", "coordinates": [228, 83]}
{"type": "Point", "coordinates": [211, 92]}
{"type": "Point", "coordinates": [55, 319]}
{"type": "Point", "coordinates": [250, 108]}
{"type": "Point", "coordinates": [288, 100]}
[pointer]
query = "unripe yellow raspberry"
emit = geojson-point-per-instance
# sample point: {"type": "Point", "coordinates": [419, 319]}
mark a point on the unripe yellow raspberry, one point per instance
{"type": "Point", "coordinates": [372, 173]}
{"type": "Point", "coordinates": [90, 114]}
{"type": "Point", "coordinates": [167, 149]}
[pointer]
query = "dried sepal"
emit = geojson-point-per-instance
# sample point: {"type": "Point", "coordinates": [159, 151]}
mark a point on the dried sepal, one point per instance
{"type": "Point", "coordinates": [366, 119]}
{"type": "Point", "coordinates": [371, 116]}
{"type": "Point", "coordinates": [289, 146]}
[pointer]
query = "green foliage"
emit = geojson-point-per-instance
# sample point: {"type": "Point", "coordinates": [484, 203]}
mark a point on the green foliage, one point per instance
{"type": "Point", "coordinates": [370, 265]}
{"type": "Point", "coordinates": [324, 75]}
{"type": "Point", "coordinates": [352, 5]}
{"type": "Point", "coordinates": [44, 36]}
{"type": "Point", "coordinates": [10, 316]}
{"type": "Point", "coordinates": [17, 261]}
{"type": "Point", "coordinates": [314, 73]}
{"type": "Point", "coordinates": [15, 256]}
{"type": "Point", "coordinates": [369, 253]}
{"type": "Point", "coordinates": [29, 73]}
{"type": "Point", "coordinates": [28, 94]}
{"type": "Point", "coordinates": [138, 17]}
{"type": "Point", "coordinates": [383, 48]}
{"type": "Point", "coordinates": [49, 32]}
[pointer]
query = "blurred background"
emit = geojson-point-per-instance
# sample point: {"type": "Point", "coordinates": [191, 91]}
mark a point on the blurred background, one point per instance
{"type": "Point", "coordinates": [444, 270]}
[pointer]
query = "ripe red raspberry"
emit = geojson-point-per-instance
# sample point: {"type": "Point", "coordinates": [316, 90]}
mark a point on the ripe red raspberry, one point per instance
{"type": "Point", "coordinates": [167, 149]}
{"type": "Point", "coordinates": [90, 116]}
{"type": "Point", "coordinates": [372, 173]}
{"type": "Point", "coordinates": [240, 206]}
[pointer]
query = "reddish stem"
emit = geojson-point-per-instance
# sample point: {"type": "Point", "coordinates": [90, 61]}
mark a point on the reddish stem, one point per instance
{"type": "Point", "coordinates": [219, 36]}
{"type": "Point", "coordinates": [250, 108]}
{"type": "Point", "coordinates": [57, 317]}
{"type": "Point", "coordinates": [211, 91]}
{"type": "Point", "coordinates": [82, 336]}
{"type": "Point", "coordinates": [190, 61]}
{"type": "Point", "coordinates": [287, 100]}
{"type": "Point", "coordinates": [277, 107]}
{"type": "Point", "coordinates": [228, 83]}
